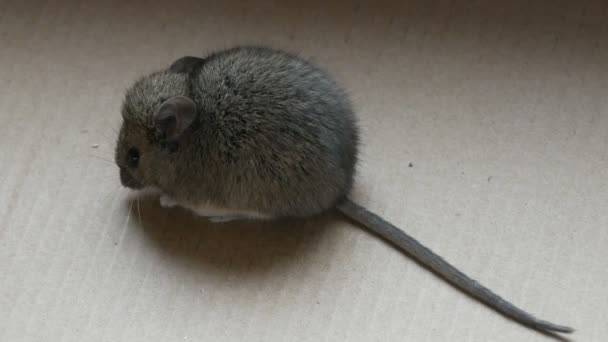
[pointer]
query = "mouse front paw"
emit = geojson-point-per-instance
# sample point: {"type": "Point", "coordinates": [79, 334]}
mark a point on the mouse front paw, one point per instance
{"type": "Point", "coordinates": [167, 201]}
{"type": "Point", "coordinates": [222, 219]}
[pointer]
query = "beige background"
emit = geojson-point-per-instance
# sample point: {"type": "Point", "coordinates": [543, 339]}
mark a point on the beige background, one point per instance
{"type": "Point", "coordinates": [501, 107]}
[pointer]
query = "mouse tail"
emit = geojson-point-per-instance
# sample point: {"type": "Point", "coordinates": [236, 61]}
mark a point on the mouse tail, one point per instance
{"type": "Point", "coordinates": [411, 246]}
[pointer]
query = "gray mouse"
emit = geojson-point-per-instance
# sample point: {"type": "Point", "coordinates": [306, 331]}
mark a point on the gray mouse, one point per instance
{"type": "Point", "coordinates": [259, 133]}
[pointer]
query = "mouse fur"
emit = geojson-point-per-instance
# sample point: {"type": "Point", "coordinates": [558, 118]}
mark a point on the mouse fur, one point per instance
{"type": "Point", "coordinates": [273, 134]}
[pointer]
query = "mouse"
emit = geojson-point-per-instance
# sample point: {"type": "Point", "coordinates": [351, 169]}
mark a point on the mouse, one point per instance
{"type": "Point", "coordinates": [260, 133]}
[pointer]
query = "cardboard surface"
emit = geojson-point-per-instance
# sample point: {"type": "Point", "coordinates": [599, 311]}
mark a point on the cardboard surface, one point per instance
{"type": "Point", "coordinates": [501, 107]}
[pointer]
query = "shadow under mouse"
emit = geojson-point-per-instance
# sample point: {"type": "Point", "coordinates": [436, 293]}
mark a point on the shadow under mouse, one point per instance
{"type": "Point", "coordinates": [247, 249]}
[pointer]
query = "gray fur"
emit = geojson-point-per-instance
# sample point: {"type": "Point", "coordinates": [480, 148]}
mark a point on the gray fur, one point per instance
{"type": "Point", "coordinates": [273, 134]}
{"type": "Point", "coordinates": [267, 121]}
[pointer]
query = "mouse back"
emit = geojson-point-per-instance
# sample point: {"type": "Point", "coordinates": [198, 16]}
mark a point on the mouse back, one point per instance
{"type": "Point", "coordinates": [277, 133]}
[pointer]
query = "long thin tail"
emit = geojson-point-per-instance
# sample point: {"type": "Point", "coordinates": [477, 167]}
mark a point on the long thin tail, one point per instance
{"type": "Point", "coordinates": [427, 257]}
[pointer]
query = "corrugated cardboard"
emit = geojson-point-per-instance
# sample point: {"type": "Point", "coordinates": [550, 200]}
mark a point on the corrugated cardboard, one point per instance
{"type": "Point", "coordinates": [485, 130]}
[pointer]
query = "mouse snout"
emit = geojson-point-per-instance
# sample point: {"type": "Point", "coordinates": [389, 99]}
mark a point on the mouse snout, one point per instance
{"type": "Point", "coordinates": [127, 180]}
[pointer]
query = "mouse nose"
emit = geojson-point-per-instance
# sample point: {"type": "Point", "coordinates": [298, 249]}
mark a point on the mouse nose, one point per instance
{"type": "Point", "coordinates": [127, 180]}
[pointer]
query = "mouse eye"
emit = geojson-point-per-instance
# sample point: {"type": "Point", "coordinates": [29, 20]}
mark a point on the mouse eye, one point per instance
{"type": "Point", "coordinates": [133, 157]}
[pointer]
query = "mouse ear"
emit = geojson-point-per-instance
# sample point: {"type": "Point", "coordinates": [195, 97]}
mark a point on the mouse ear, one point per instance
{"type": "Point", "coordinates": [185, 64]}
{"type": "Point", "coordinates": [174, 116]}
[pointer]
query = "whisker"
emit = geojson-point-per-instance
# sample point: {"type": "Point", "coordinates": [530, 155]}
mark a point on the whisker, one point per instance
{"type": "Point", "coordinates": [129, 213]}
{"type": "Point", "coordinates": [138, 211]}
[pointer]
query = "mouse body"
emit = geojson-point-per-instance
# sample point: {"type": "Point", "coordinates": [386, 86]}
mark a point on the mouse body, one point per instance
{"type": "Point", "coordinates": [258, 133]}
{"type": "Point", "coordinates": [273, 136]}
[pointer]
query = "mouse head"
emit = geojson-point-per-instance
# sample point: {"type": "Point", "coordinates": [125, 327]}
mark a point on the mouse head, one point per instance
{"type": "Point", "coordinates": [156, 116]}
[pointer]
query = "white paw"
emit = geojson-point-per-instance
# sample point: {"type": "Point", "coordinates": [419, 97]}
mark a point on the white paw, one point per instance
{"type": "Point", "coordinates": [222, 219]}
{"type": "Point", "coordinates": [167, 201]}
